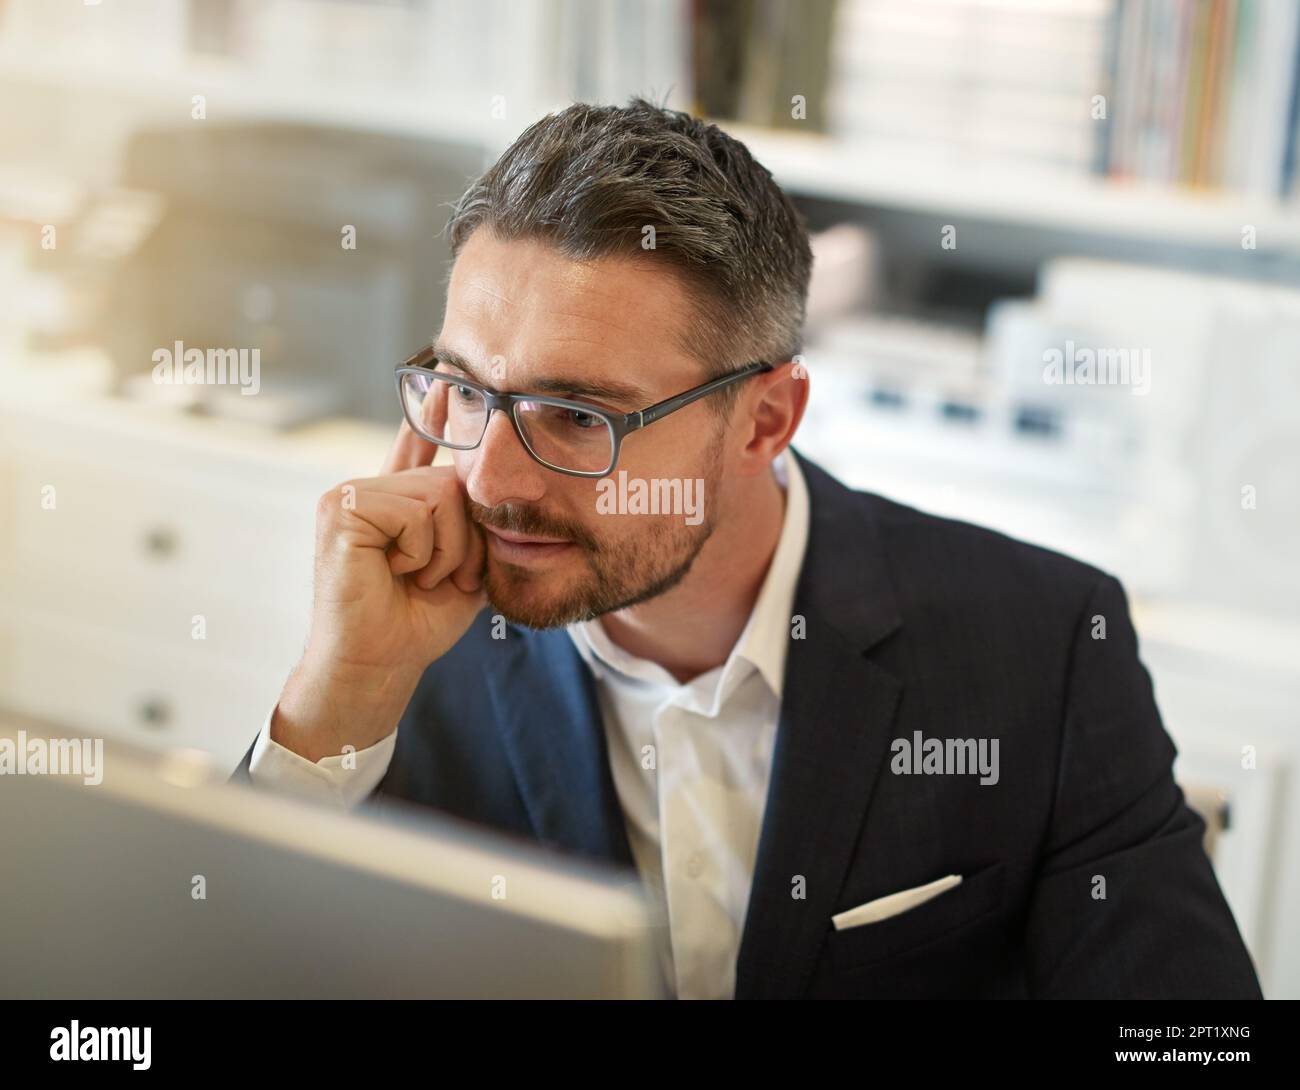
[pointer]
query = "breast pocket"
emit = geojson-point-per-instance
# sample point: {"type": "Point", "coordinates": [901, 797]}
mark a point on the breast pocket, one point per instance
{"type": "Point", "coordinates": [941, 917]}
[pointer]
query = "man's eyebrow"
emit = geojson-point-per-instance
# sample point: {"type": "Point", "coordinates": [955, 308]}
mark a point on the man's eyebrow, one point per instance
{"type": "Point", "coordinates": [628, 393]}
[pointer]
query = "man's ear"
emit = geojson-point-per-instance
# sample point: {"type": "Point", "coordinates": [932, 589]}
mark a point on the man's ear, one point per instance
{"type": "Point", "coordinates": [774, 406]}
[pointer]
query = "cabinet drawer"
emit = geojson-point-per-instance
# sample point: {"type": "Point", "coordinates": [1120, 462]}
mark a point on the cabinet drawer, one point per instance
{"type": "Point", "coordinates": [153, 531]}
{"type": "Point", "coordinates": [239, 625]}
{"type": "Point", "coordinates": [98, 682]}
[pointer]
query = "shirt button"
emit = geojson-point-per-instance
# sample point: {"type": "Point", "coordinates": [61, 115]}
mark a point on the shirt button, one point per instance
{"type": "Point", "coordinates": [695, 865]}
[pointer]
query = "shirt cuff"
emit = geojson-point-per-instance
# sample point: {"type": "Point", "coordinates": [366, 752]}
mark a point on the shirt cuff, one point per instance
{"type": "Point", "coordinates": [343, 779]}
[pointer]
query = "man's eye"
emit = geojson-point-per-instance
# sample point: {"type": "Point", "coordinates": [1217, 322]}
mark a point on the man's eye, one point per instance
{"type": "Point", "coordinates": [580, 419]}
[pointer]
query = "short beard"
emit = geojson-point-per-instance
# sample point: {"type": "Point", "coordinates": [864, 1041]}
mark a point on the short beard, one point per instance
{"type": "Point", "coordinates": [615, 568]}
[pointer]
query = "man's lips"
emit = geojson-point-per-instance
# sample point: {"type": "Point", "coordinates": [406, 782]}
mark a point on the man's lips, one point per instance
{"type": "Point", "coordinates": [523, 548]}
{"type": "Point", "coordinates": [525, 539]}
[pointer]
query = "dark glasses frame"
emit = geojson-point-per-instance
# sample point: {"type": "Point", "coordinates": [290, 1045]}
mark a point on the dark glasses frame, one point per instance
{"type": "Point", "coordinates": [620, 424]}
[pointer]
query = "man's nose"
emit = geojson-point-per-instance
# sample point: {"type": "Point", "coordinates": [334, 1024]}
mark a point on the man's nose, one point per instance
{"type": "Point", "coordinates": [503, 471]}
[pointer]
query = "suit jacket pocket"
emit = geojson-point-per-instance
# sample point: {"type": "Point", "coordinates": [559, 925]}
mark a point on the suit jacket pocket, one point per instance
{"type": "Point", "coordinates": [976, 896]}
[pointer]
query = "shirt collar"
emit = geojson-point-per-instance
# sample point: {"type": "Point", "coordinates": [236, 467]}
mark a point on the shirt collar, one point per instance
{"type": "Point", "coordinates": [764, 640]}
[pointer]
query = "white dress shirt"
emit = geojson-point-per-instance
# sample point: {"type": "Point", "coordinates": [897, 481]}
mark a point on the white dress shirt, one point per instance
{"type": "Point", "coordinates": [690, 763]}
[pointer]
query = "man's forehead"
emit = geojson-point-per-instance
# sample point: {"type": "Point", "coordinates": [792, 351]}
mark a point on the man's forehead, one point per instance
{"type": "Point", "coordinates": [520, 310]}
{"type": "Point", "coordinates": [616, 295]}
{"type": "Point", "coordinates": [602, 378]}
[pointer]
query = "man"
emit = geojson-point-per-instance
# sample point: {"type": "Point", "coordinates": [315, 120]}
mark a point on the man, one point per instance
{"type": "Point", "coordinates": [782, 703]}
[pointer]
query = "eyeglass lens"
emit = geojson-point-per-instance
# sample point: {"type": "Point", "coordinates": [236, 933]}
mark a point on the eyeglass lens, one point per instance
{"type": "Point", "coordinates": [455, 415]}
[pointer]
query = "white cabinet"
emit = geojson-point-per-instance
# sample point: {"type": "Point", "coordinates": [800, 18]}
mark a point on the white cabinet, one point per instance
{"type": "Point", "coordinates": [155, 569]}
{"type": "Point", "coordinates": [1228, 686]}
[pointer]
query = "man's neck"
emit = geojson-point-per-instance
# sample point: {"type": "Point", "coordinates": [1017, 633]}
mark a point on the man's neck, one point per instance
{"type": "Point", "coordinates": [692, 628]}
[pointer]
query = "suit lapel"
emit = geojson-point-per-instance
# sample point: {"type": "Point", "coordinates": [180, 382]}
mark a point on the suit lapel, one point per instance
{"type": "Point", "coordinates": [545, 704]}
{"type": "Point", "coordinates": [832, 741]}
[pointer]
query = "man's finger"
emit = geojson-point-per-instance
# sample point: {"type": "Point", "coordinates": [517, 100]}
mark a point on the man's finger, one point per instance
{"type": "Point", "coordinates": [408, 452]}
{"type": "Point", "coordinates": [451, 540]}
{"type": "Point", "coordinates": [469, 576]}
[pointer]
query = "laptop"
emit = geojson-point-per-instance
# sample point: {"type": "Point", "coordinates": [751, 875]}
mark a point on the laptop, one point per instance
{"type": "Point", "coordinates": [144, 875]}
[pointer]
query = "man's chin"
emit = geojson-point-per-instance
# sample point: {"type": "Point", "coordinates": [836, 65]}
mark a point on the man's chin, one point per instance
{"type": "Point", "coordinates": [536, 614]}
{"type": "Point", "coordinates": [531, 599]}
{"type": "Point", "coordinates": [560, 593]}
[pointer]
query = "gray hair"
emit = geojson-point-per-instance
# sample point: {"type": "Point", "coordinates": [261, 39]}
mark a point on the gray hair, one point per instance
{"type": "Point", "coordinates": [590, 180]}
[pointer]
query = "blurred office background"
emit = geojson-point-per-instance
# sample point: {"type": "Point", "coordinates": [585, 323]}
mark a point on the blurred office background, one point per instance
{"type": "Point", "coordinates": [990, 182]}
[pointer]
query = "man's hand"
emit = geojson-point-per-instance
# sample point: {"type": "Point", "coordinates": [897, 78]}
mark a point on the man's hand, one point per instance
{"type": "Point", "coordinates": [398, 581]}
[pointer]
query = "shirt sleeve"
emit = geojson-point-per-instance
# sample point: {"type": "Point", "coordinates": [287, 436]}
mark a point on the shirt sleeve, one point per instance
{"type": "Point", "coordinates": [344, 779]}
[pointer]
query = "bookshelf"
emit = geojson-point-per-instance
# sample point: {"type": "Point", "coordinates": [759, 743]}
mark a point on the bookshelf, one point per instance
{"type": "Point", "coordinates": [876, 175]}
{"type": "Point", "coordinates": [235, 92]}
{"type": "Point", "coordinates": [816, 165]}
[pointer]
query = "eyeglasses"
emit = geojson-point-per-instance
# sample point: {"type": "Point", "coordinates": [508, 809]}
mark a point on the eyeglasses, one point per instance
{"type": "Point", "coordinates": [572, 437]}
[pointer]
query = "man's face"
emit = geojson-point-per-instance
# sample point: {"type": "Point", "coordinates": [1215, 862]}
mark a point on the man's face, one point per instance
{"type": "Point", "coordinates": [526, 319]}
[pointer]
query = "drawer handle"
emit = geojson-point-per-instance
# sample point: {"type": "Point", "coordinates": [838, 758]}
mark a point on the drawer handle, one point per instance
{"type": "Point", "coordinates": [161, 542]}
{"type": "Point", "coordinates": [154, 712]}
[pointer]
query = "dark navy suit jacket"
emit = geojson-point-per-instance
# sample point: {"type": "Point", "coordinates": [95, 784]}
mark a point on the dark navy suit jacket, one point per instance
{"type": "Point", "coordinates": [911, 623]}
